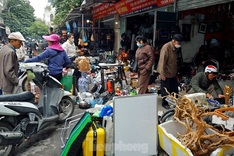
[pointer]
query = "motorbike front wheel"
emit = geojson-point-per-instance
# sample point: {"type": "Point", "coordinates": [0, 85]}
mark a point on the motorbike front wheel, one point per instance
{"type": "Point", "coordinates": [66, 108]}
{"type": "Point", "coordinates": [8, 149]}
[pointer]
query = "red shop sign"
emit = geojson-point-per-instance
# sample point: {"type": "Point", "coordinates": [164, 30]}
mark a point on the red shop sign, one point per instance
{"type": "Point", "coordinates": [127, 6]}
{"type": "Point", "coordinates": [103, 10]}
{"type": "Point", "coordinates": [164, 2]}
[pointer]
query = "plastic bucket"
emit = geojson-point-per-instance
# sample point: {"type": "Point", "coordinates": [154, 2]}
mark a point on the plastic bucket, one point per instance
{"type": "Point", "coordinates": [67, 82]}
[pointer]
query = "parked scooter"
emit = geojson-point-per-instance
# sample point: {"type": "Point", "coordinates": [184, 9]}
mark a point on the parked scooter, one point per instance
{"type": "Point", "coordinates": [20, 118]}
{"type": "Point", "coordinates": [66, 105]}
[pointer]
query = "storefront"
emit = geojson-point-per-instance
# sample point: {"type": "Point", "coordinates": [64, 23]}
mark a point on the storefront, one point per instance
{"type": "Point", "coordinates": [103, 17]}
{"type": "Point", "coordinates": [143, 18]}
{"type": "Point", "coordinates": [92, 25]}
{"type": "Point", "coordinates": [209, 25]}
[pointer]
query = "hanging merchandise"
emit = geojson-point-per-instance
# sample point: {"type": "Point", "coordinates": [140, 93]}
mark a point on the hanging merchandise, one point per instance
{"type": "Point", "coordinates": [80, 42]}
{"type": "Point", "coordinates": [74, 25]}
{"type": "Point", "coordinates": [83, 40]}
{"type": "Point", "coordinates": [75, 30]}
{"type": "Point", "coordinates": [68, 27]}
{"type": "Point", "coordinates": [84, 37]}
{"type": "Point", "coordinates": [92, 38]}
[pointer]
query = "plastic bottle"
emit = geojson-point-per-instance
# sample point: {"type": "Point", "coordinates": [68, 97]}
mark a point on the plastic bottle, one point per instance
{"type": "Point", "coordinates": [83, 83]}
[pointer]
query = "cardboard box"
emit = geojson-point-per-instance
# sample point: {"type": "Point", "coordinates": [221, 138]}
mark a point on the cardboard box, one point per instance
{"type": "Point", "coordinates": [168, 132]}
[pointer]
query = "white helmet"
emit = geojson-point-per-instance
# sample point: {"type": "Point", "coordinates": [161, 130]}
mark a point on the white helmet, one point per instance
{"type": "Point", "coordinates": [211, 69]}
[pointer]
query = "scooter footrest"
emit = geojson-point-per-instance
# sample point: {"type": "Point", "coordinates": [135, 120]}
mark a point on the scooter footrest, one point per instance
{"type": "Point", "coordinates": [11, 138]}
{"type": "Point", "coordinates": [24, 96]}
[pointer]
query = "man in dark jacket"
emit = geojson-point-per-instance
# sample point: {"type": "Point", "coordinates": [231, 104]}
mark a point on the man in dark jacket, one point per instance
{"type": "Point", "coordinates": [205, 82]}
{"type": "Point", "coordinates": [9, 63]}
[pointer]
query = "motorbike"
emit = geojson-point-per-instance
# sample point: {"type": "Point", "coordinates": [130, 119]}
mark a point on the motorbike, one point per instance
{"type": "Point", "coordinates": [20, 118]}
{"type": "Point", "coordinates": [66, 105]}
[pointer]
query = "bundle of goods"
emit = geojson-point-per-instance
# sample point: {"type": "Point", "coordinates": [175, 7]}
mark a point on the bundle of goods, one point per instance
{"type": "Point", "coordinates": [83, 64]}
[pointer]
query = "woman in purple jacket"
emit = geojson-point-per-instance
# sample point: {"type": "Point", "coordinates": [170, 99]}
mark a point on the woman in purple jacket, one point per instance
{"type": "Point", "coordinates": [57, 57]}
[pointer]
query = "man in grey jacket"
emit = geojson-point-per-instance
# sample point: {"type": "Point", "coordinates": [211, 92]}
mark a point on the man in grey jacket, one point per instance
{"type": "Point", "coordinates": [9, 65]}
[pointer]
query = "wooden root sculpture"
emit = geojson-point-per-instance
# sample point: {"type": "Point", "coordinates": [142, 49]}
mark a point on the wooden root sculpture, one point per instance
{"type": "Point", "coordinates": [196, 137]}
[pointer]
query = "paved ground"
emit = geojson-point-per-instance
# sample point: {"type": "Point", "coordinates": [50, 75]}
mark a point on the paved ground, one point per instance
{"type": "Point", "coordinates": [48, 142]}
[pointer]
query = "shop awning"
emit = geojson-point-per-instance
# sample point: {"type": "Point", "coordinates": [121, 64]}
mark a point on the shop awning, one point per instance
{"type": "Point", "coordinates": [89, 3]}
{"type": "Point", "coordinates": [85, 8]}
{"type": "Point", "coordinates": [76, 13]}
{"type": "Point", "coordinates": [194, 4]}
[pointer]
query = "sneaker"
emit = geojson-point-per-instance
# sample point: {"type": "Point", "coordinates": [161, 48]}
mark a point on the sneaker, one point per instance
{"type": "Point", "coordinates": [166, 106]}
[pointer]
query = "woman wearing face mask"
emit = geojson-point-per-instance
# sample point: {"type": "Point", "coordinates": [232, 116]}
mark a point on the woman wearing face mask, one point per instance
{"type": "Point", "coordinates": [167, 67]}
{"type": "Point", "coordinates": [70, 47]}
{"type": "Point", "coordinates": [145, 60]}
{"type": "Point", "coordinates": [72, 53]}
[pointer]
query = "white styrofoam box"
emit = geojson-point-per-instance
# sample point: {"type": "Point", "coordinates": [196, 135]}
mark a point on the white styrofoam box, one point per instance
{"type": "Point", "coordinates": [228, 124]}
{"type": "Point", "coordinates": [168, 132]}
{"type": "Point", "coordinates": [197, 97]}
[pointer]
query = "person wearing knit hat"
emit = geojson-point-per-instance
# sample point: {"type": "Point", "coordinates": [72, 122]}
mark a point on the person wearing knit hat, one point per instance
{"type": "Point", "coordinates": [167, 67]}
{"type": "Point", "coordinates": [56, 55]}
{"type": "Point", "coordinates": [9, 63]}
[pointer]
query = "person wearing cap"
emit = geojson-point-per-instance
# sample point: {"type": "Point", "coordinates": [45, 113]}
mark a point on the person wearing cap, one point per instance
{"type": "Point", "coordinates": [167, 67]}
{"type": "Point", "coordinates": [56, 55]}
{"type": "Point", "coordinates": [205, 82]}
{"type": "Point", "coordinates": [145, 59]}
{"type": "Point", "coordinates": [9, 65]}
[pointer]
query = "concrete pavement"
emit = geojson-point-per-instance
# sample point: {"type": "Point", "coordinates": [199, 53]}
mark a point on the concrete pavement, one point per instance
{"type": "Point", "coordinates": [48, 142]}
{"type": "Point", "coordinates": [45, 143]}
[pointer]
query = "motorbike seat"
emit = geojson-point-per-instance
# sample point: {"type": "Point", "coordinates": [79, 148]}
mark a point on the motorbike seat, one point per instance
{"type": "Point", "coordinates": [24, 96]}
